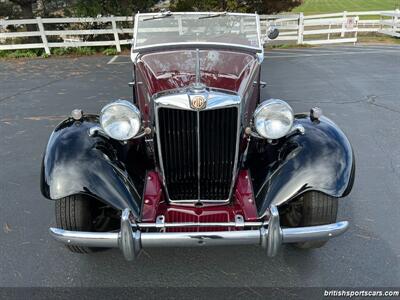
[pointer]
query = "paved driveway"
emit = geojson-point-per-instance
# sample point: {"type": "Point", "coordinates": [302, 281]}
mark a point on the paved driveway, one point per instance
{"type": "Point", "coordinates": [358, 87]}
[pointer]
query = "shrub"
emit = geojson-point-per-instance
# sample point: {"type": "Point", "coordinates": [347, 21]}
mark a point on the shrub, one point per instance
{"type": "Point", "coordinates": [21, 54]}
{"type": "Point", "coordinates": [84, 51]}
{"type": "Point", "coordinates": [110, 51]}
{"type": "Point", "coordinates": [61, 51]}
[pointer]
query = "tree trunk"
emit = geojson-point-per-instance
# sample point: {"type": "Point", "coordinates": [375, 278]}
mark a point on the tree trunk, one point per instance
{"type": "Point", "coordinates": [223, 5]}
{"type": "Point", "coordinates": [26, 10]}
{"type": "Point", "coordinates": [27, 13]}
{"type": "Point", "coordinates": [41, 8]}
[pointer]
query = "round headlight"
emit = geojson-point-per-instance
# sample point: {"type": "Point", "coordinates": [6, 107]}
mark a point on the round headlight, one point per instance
{"type": "Point", "coordinates": [120, 120]}
{"type": "Point", "coordinates": [273, 119]}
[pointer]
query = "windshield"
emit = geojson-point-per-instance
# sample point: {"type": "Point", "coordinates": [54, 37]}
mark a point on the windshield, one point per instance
{"type": "Point", "coordinates": [241, 30]}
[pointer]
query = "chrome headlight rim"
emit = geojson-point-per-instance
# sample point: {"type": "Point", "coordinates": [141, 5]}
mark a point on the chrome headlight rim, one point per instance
{"type": "Point", "coordinates": [125, 104]}
{"type": "Point", "coordinates": [266, 105]}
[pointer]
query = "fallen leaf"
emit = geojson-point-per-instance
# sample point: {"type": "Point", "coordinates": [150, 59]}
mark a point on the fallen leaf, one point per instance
{"type": "Point", "coordinates": [6, 228]}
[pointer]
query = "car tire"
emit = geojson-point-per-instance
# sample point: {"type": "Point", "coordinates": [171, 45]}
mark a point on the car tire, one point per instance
{"type": "Point", "coordinates": [314, 208]}
{"type": "Point", "coordinates": [76, 213]}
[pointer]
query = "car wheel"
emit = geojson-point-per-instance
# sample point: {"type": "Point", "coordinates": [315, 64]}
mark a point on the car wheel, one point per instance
{"type": "Point", "coordinates": [82, 213]}
{"type": "Point", "coordinates": [310, 209]}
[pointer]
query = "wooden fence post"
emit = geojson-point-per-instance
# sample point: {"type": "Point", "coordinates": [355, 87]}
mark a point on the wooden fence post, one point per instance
{"type": "Point", "coordinates": [396, 19]}
{"type": "Point", "coordinates": [344, 24]}
{"type": "Point", "coordinates": [329, 34]}
{"type": "Point", "coordinates": [43, 35]}
{"type": "Point", "coordinates": [300, 29]}
{"type": "Point", "coordinates": [356, 29]}
{"type": "Point", "coordinates": [116, 37]}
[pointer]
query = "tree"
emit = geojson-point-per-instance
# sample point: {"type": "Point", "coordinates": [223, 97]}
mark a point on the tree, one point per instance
{"type": "Point", "coordinates": [272, 6]}
{"type": "Point", "coordinates": [8, 10]}
{"type": "Point", "coordinates": [250, 6]}
{"type": "Point", "coordinates": [92, 8]}
{"type": "Point", "coordinates": [26, 8]}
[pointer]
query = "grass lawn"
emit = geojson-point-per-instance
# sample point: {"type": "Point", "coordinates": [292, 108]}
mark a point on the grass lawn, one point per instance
{"type": "Point", "coordinates": [310, 7]}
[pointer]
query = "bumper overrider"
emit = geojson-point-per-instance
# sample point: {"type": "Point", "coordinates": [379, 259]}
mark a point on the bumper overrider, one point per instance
{"type": "Point", "coordinates": [270, 235]}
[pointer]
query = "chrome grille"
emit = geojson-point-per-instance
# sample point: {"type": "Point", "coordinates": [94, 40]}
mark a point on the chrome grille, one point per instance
{"type": "Point", "coordinates": [198, 151]}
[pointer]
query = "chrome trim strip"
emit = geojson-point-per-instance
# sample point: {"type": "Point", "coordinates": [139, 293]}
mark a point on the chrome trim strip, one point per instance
{"type": "Point", "coordinates": [314, 233]}
{"type": "Point", "coordinates": [195, 239]}
{"type": "Point", "coordinates": [199, 13]}
{"type": "Point", "coordinates": [209, 224]}
{"type": "Point", "coordinates": [238, 135]}
{"type": "Point", "coordinates": [198, 157]}
{"type": "Point", "coordinates": [198, 45]}
{"type": "Point", "coordinates": [157, 131]}
{"type": "Point", "coordinates": [181, 100]}
{"type": "Point", "coordinates": [198, 75]}
{"type": "Point", "coordinates": [259, 37]}
{"type": "Point", "coordinates": [85, 238]}
{"type": "Point", "coordinates": [184, 90]}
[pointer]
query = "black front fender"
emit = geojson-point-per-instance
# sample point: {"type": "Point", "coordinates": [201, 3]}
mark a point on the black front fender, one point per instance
{"type": "Point", "coordinates": [77, 163]}
{"type": "Point", "coordinates": [321, 160]}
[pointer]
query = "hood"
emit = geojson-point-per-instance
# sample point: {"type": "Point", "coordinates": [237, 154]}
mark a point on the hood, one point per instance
{"type": "Point", "coordinates": [167, 70]}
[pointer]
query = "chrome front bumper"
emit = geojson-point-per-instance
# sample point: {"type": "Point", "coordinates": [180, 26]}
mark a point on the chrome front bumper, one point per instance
{"type": "Point", "coordinates": [131, 240]}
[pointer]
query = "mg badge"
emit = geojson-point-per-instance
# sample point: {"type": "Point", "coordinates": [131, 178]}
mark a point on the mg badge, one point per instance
{"type": "Point", "coordinates": [198, 102]}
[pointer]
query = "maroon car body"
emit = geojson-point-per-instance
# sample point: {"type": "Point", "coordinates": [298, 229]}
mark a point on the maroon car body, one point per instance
{"type": "Point", "coordinates": [162, 71]}
{"type": "Point", "coordinates": [198, 168]}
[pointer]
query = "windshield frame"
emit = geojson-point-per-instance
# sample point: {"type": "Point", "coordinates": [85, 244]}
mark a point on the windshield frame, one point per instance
{"type": "Point", "coordinates": [196, 44]}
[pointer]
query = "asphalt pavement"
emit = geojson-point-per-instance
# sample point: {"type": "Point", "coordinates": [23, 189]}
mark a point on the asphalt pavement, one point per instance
{"type": "Point", "coordinates": [356, 86]}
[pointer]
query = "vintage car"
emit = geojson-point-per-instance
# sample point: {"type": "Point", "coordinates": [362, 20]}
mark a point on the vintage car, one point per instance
{"type": "Point", "coordinates": [196, 157]}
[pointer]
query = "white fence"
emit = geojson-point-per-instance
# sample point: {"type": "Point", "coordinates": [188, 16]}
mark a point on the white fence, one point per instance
{"type": "Point", "coordinates": [315, 29]}
{"type": "Point", "coordinates": [390, 22]}
{"type": "Point", "coordinates": [70, 37]}
{"type": "Point", "coordinates": [333, 28]}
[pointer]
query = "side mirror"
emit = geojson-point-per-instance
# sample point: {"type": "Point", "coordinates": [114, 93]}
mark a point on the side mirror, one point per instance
{"type": "Point", "coordinates": [272, 33]}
